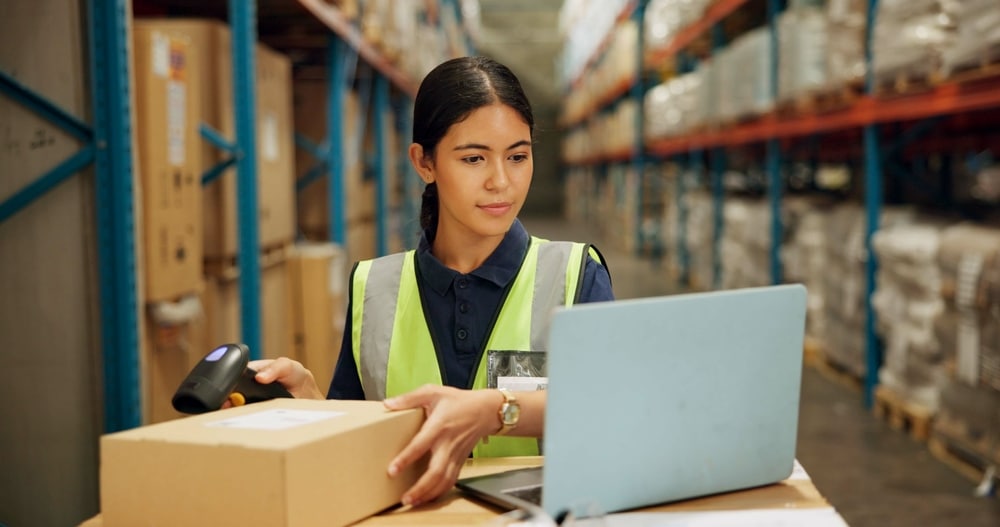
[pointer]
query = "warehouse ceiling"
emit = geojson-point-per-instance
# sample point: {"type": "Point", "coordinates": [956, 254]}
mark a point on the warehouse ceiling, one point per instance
{"type": "Point", "coordinates": [524, 34]}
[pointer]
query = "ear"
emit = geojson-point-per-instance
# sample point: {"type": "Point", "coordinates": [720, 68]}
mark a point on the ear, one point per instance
{"type": "Point", "coordinates": [422, 163]}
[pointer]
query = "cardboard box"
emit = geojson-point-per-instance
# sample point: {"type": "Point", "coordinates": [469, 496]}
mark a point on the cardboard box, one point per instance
{"type": "Point", "coordinates": [318, 276]}
{"type": "Point", "coordinates": [173, 342]}
{"type": "Point", "coordinates": [167, 144]}
{"type": "Point", "coordinates": [310, 121]}
{"type": "Point", "coordinates": [275, 148]}
{"type": "Point", "coordinates": [280, 463]}
{"type": "Point", "coordinates": [223, 308]}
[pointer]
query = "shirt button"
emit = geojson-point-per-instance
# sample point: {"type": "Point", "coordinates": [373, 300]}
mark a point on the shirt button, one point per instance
{"type": "Point", "coordinates": [463, 283]}
{"type": "Point", "coordinates": [462, 334]}
{"type": "Point", "coordinates": [463, 307]}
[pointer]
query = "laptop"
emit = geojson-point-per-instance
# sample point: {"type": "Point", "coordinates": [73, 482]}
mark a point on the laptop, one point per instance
{"type": "Point", "coordinates": [661, 399]}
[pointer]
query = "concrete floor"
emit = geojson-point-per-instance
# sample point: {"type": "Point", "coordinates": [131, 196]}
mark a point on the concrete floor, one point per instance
{"type": "Point", "coordinates": [873, 475]}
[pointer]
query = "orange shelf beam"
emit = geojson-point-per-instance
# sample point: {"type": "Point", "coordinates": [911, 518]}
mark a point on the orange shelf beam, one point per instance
{"type": "Point", "coordinates": [713, 14]}
{"type": "Point", "coordinates": [334, 18]}
{"type": "Point", "coordinates": [946, 99]}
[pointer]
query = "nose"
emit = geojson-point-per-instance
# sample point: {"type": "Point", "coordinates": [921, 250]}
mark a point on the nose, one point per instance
{"type": "Point", "coordinates": [498, 178]}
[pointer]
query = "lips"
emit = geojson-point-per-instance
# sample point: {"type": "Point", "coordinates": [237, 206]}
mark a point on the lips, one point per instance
{"type": "Point", "coordinates": [496, 209]}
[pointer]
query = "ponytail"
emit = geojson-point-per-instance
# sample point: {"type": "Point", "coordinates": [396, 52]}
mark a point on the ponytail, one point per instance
{"type": "Point", "coordinates": [429, 209]}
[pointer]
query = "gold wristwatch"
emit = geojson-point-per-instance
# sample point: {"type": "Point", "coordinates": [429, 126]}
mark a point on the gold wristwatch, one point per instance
{"type": "Point", "coordinates": [510, 413]}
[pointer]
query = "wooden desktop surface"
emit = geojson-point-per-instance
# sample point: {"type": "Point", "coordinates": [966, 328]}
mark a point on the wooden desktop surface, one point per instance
{"type": "Point", "coordinates": [454, 508]}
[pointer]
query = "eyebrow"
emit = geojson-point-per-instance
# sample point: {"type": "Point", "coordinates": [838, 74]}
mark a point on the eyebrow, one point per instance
{"type": "Point", "coordinates": [477, 146]}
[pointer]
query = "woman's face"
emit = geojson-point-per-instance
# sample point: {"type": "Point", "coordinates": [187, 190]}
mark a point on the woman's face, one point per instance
{"type": "Point", "coordinates": [483, 169]}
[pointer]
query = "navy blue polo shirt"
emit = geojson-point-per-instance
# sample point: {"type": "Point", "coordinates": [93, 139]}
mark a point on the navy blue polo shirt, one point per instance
{"type": "Point", "coordinates": [461, 307]}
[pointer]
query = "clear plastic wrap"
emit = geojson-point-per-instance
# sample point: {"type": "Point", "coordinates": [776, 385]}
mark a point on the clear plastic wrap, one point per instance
{"type": "Point", "coordinates": [977, 37]}
{"type": "Point", "coordinates": [911, 36]}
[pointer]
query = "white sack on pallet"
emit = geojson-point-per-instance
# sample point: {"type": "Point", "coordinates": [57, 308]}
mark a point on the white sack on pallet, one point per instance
{"type": "Point", "coordinates": [911, 35]}
{"type": "Point", "coordinates": [977, 36]}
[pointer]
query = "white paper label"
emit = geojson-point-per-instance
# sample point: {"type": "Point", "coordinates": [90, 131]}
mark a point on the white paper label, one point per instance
{"type": "Point", "coordinates": [522, 384]}
{"type": "Point", "coordinates": [161, 55]}
{"type": "Point", "coordinates": [269, 137]}
{"type": "Point", "coordinates": [279, 419]}
{"type": "Point", "coordinates": [176, 121]}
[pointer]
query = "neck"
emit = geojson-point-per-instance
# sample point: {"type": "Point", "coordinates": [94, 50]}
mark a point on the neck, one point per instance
{"type": "Point", "coordinates": [463, 253]}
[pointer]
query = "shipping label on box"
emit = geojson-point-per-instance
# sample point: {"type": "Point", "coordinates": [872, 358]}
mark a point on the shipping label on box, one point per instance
{"type": "Point", "coordinates": [280, 463]}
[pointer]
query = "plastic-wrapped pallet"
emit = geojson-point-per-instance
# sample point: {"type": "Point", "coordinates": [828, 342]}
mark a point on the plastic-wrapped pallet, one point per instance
{"type": "Point", "coordinates": [699, 239]}
{"type": "Point", "coordinates": [584, 24]}
{"type": "Point", "coordinates": [802, 51]}
{"type": "Point", "coordinates": [804, 259]}
{"type": "Point", "coordinates": [845, 58]}
{"type": "Point", "coordinates": [743, 76]}
{"type": "Point", "coordinates": [673, 107]}
{"type": "Point", "coordinates": [618, 210]}
{"type": "Point", "coordinates": [665, 18]}
{"type": "Point", "coordinates": [908, 303]}
{"type": "Point", "coordinates": [844, 283]}
{"type": "Point", "coordinates": [746, 243]}
{"type": "Point", "coordinates": [977, 40]}
{"type": "Point", "coordinates": [910, 37]}
{"type": "Point", "coordinates": [969, 262]}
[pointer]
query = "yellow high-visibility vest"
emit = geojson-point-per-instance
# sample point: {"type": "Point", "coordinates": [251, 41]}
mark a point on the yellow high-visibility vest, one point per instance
{"type": "Point", "coordinates": [391, 339]}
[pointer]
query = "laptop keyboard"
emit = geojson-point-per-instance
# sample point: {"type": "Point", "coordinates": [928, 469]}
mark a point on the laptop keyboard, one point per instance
{"type": "Point", "coordinates": [531, 494]}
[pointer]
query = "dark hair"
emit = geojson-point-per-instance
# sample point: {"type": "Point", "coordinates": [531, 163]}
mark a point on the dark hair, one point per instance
{"type": "Point", "coordinates": [447, 95]}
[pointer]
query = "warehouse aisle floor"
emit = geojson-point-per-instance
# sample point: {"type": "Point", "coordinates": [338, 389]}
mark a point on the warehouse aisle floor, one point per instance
{"type": "Point", "coordinates": [873, 475]}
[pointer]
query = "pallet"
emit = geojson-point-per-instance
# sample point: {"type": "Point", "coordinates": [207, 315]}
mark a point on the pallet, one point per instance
{"type": "Point", "coordinates": [987, 66]}
{"type": "Point", "coordinates": [822, 100]}
{"type": "Point", "coordinates": [963, 455]}
{"type": "Point", "coordinates": [901, 414]}
{"type": "Point", "coordinates": [815, 357]}
{"type": "Point", "coordinates": [907, 83]}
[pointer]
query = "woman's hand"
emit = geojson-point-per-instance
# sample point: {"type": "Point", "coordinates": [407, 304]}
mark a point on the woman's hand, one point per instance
{"type": "Point", "coordinates": [290, 373]}
{"type": "Point", "coordinates": [456, 421]}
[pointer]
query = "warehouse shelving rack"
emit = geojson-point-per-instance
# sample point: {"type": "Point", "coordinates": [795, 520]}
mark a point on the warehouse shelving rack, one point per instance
{"type": "Point", "coordinates": [107, 145]}
{"type": "Point", "coordinates": [868, 114]}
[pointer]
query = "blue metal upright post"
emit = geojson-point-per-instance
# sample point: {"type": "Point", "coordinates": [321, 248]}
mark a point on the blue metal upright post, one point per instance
{"type": "Point", "coordinates": [411, 189]}
{"type": "Point", "coordinates": [773, 163]}
{"type": "Point", "coordinates": [873, 213]}
{"type": "Point", "coordinates": [718, 167]}
{"type": "Point", "coordinates": [380, 105]}
{"type": "Point", "coordinates": [111, 98]}
{"type": "Point", "coordinates": [243, 21]}
{"type": "Point", "coordinates": [637, 93]}
{"type": "Point", "coordinates": [336, 57]}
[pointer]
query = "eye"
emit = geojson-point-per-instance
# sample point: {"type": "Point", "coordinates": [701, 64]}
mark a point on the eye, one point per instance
{"type": "Point", "coordinates": [473, 160]}
{"type": "Point", "coordinates": [519, 158]}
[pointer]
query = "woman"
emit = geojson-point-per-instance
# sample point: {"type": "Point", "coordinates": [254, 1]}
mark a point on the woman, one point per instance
{"type": "Point", "coordinates": [434, 327]}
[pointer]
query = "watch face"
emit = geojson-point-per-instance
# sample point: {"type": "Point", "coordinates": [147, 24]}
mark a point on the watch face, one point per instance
{"type": "Point", "coordinates": [511, 413]}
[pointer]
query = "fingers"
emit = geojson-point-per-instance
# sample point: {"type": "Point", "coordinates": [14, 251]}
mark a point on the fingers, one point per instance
{"type": "Point", "coordinates": [415, 449]}
{"type": "Point", "coordinates": [290, 373]}
{"type": "Point", "coordinates": [441, 475]}
{"type": "Point", "coordinates": [419, 398]}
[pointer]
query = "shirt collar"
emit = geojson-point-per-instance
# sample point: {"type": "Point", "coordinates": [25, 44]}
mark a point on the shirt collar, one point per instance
{"type": "Point", "coordinates": [500, 267]}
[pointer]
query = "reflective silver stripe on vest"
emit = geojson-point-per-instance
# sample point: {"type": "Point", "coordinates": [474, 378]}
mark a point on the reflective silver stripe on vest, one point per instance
{"type": "Point", "coordinates": [550, 290]}
{"type": "Point", "coordinates": [381, 296]}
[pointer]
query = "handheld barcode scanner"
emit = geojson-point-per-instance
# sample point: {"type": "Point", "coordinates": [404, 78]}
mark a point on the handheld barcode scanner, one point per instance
{"type": "Point", "coordinates": [223, 374]}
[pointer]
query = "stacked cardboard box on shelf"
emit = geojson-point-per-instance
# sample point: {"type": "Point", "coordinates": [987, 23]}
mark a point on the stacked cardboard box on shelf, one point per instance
{"type": "Point", "coordinates": [181, 327]}
{"type": "Point", "coordinates": [167, 91]}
